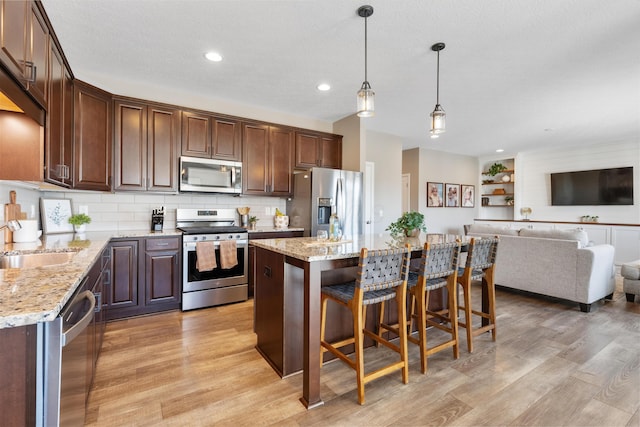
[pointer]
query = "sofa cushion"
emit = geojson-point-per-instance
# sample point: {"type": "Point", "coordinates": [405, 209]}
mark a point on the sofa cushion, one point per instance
{"type": "Point", "coordinates": [579, 235]}
{"type": "Point", "coordinates": [492, 229]}
{"type": "Point", "coordinates": [631, 270]}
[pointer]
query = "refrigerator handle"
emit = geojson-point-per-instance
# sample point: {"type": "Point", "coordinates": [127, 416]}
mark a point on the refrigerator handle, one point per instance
{"type": "Point", "coordinates": [340, 202]}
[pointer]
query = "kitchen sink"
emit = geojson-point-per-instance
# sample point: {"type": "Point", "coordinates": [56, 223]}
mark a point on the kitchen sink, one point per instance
{"type": "Point", "coordinates": [42, 259]}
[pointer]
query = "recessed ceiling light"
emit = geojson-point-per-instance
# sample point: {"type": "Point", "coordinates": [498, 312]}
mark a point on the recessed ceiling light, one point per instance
{"type": "Point", "coordinates": [213, 56]}
{"type": "Point", "coordinates": [499, 150]}
{"type": "Point", "coordinates": [323, 87]}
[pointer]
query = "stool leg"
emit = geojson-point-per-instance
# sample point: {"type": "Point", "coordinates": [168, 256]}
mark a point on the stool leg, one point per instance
{"type": "Point", "coordinates": [452, 288]}
{"type": "Point", "coordinates": [468, 318]}
{"type": "Point", "coordinates": [358, 336]}
{"type": "Point", "coordinates": [323, 320]}
{"type": "Point", "coordinates": [491, 291]}
{"type": "Point", "coordinates": [401, 300]}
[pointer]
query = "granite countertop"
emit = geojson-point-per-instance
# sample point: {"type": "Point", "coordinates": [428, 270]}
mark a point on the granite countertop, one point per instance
{"type": "Point", "coordinates": [272, 229]}
{"type": "Point", "coordinates": [33, 295]}
{"type": "Point", "coordinates": [311, 249]}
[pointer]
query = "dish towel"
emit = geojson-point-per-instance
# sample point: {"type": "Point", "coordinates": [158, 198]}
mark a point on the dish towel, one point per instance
{"type": "Point", "coordinates": [228, 254]}
{"type": "Point", "coordinates": [205, 256]}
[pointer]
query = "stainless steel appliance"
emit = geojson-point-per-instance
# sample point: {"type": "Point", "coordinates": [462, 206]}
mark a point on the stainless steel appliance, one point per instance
{"type": "Point", "coordinates": [66, 358]}
{"type": "Point", "coordinates": [210, 175]}
{"type": "Point", "coordinates": [218, 286]}
{"type": "Point", "coordinates": [320, 192]}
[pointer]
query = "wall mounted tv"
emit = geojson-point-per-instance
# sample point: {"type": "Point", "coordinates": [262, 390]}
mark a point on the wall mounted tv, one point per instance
{"type": "Point", "coordinates": [593, 187]}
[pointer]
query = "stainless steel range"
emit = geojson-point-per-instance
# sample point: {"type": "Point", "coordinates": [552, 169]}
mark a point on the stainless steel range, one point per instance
{"type": "Point", "coordinates": [219, 285]}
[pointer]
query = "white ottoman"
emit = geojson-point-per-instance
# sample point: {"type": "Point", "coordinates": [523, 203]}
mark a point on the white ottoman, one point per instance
{"type": "Point", "coordinates": [631, 282]}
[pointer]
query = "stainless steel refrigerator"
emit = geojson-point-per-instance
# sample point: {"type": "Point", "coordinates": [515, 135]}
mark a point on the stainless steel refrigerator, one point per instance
{"type": "Point", "coordinates": [320, 192]}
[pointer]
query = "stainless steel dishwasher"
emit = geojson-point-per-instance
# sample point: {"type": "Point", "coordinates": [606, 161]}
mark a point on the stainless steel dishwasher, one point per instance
{"type": "Point", "coordinates": [66, 356]}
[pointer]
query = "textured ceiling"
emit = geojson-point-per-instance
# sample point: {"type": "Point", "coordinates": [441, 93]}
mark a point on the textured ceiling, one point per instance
{"type": "Point", "coordinates": [515, 74]}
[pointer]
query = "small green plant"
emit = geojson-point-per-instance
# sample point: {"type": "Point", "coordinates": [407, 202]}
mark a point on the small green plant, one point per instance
{"type": "Point", "coordinates": [508, 200]}
{"type": "Point", "coordinates": [253, 219]}
{"type": "Point", "coordinates": [407, 223]}
{"type": "Point", "coordinates": [496, 168]}
{"type": "Point", "coordinates": [79, 219]}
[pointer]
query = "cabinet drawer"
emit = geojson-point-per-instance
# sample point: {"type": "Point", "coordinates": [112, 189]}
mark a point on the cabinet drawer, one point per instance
{"type": "Point", "coordinates": [162, 244]}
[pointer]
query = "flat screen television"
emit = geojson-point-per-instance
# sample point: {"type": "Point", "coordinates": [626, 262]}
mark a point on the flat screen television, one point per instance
{"type": "Point", "coordinates": [593, 187]}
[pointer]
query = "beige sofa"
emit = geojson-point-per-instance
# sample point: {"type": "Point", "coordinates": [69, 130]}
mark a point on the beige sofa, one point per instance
{"type": "Point", "coordinates": [557, 263]}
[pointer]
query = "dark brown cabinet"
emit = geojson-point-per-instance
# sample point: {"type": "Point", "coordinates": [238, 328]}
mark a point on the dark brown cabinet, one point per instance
{"type": "Point", "coordinates": [252, 249]}
{"type": "Point", "coordinates": [318, 149]}
{"type": "Point", "coordinates": [208, 136]}
{"type": "Point", "coordinates": [59, 140]}
{"type": "Point", "coordinates": [162, 272]}
{"type": "Point", "coordinates": [92, 138]}
{"type": "Point", "coordinates": [267, 160]}
{"type": "Point", "coordinates": [24, 46]}
{"type": "Point", "coordinates": [146, 146]}
{"type": "Point", "coordinates": [146, 281]}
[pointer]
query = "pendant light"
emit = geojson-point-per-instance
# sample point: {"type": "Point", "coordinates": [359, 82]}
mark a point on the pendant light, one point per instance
{"type": "Point", "coordinates": [365, 94]}
{"type": "Point", "coordinates": [438, 114]}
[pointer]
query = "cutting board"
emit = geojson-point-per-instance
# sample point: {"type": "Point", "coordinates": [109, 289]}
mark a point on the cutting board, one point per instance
{"type": "Point", "coordinates": [12, 210]}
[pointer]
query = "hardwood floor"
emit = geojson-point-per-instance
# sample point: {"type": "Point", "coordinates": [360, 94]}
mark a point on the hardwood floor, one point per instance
{"type": "Point", "coordinates": [552, 365]}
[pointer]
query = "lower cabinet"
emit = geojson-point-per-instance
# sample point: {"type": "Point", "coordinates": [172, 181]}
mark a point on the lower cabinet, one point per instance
{"type": "Point", "coordinates": [252, 249]}
{"type": "Point", "coordinates": [145, 276]}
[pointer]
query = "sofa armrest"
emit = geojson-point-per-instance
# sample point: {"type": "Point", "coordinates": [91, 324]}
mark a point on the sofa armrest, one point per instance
{"type": "Point", "coordinates": [595, 276]}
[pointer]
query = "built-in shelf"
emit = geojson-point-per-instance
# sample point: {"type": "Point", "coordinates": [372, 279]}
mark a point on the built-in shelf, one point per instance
{"type": "Point", "coordinates": [503, 194]}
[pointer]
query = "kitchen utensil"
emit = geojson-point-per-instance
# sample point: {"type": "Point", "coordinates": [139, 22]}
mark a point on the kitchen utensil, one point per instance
{"type": "Point", "coordinates": [244, 210]}
{"type": "Point", "coordinates": [12, 211]}
{"type": "Point", "coordinates": [157, 219]}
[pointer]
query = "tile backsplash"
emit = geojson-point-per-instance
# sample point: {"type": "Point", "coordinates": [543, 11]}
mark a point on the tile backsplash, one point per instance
{"type": "Point", "coordinates": [132, 210]}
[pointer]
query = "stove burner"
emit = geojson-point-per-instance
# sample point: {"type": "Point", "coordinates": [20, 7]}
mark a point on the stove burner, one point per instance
{"type": "Point", "coordinates": [212, 229]}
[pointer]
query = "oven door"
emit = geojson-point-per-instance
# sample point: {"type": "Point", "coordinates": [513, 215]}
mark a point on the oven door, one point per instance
{"type": "Point", "coordinates": [194, 280]}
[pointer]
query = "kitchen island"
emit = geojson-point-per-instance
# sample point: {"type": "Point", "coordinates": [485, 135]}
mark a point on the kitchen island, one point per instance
{"type": "Point", "coordinates": [289, 275]}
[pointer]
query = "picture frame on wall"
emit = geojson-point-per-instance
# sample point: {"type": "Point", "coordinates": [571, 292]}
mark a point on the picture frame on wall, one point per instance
{"type": "Point", "coordinates": [452, 197]}
{"type": "Point", "coordinates": [468, 194]}
{"type": "Point", "coordinates": [434, 195]}
{"type": "Point", "coordinates": [55, 215]}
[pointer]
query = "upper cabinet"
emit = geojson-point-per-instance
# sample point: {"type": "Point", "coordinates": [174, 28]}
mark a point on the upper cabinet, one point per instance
{"type": "Point", "coordinates": [24, 46]}
{"type": "Point", "coordinates": [211, 137]}
{"type": "Point", "coordinates": [147, 138]}
{"type": "Point", "coordinates": [92, 138]}
{"type": "Point", "coordinates": [267, 160]}
{"type": "Point", "coordinates": [59, 134]}
{"type": "Point", "coordinates": [318, 149]}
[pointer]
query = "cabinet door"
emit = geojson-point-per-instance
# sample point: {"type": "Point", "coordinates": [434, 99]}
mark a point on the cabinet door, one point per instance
{"type": "Point", "coordinates": [56, 170]}
{"type": "Point", "coordinates": [255, 158]}
{"type": "Point", "coordinates": [123, 292]}
{"type": "Point", "coordinates": [130, 145]}
{"type": "Point", "coordinates": [226, 142]}
{"type": "Point", "coordinates": [626, 241]}
{"type": "Point", "coordinates": [162, 282]}
{"type": "Point", "coordinates": [37, 55]}
{"type": "Point", "coordinates": [281, 161]}
{"type": "Point", "coordinates": [163, 142]}
{"type": "Point", "coordinates": [196, 135]}
{"type": "Point", "coordinates": [13, 36]}
{"type": "Point", "coordinates": [307, 150]}
{"type": "Point", "coordinates": [331, 152]}
{"type": "Point", "coordinates": [92, 141]}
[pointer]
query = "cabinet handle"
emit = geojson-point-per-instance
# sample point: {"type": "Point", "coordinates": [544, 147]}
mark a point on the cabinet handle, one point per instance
{"type": "Point", "coordinates": [107, 277]}
{"type": "Point", "coordinates": [98, 307]}
{"type": "Point", "coordinates": [162, 244]}
{"type": "Point", "coordinates": [267, 271]}
{"type": "Point", "coordinates": [29, 65]}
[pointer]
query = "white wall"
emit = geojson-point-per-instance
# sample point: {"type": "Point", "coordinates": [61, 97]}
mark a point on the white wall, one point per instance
{"type": "Point", "coordinates": [438, 166]}
{"type": "Point", "coordinates": [533, 181]}
{"type": "Point", "coordinates": [132, 210]}
{"type": "Point", "coordinates": [385, 151]}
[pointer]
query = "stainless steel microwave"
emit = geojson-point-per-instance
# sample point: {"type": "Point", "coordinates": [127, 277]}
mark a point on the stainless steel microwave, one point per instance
{"type": "Point", "coordinates": [210, 175]}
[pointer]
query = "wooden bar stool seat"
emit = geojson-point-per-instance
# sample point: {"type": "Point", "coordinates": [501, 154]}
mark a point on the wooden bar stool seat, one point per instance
{"type": "Point", "coordinates": [382, 276]}
{"type": "Point", "coordinates": [479, 266]}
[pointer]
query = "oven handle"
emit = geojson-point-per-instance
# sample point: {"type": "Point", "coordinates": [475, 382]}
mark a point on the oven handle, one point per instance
{"type": "Point", "coordinates": [192, 245]}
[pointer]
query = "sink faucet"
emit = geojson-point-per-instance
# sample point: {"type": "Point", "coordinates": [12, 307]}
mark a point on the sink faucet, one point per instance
{"type": "Point", "coordinates": [12, 225]}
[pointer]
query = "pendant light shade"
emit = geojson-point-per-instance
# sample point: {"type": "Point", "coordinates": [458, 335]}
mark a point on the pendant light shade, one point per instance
{"type": "Point", "coordinates": [365, 102]}
{"type": "Point", "coordinates": [438, 115]}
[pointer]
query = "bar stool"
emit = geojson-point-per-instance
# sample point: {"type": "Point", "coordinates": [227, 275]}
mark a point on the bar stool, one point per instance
{"type": "Point", "coordinates": [382, 276]}
{"type": "Point", "coordinates": [480, 265]}
{"type": "Point", "coordinates": [438, 269]}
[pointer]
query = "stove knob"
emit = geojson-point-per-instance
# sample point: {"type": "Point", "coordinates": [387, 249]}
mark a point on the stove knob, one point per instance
{"type": "Point", "coordinates": [203, 237]}
{"type": "Point", "coordinates": [217, 237]}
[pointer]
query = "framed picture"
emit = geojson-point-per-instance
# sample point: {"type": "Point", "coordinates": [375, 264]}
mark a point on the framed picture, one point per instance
{"type": "Point", "coordinates": [55, 215]}
{"type": "Point", "coordinates": [468, 196]}
{"type": "Point", "coordinates": [434, 195]}
{"type": "Point", "coordinates": [452, 199]}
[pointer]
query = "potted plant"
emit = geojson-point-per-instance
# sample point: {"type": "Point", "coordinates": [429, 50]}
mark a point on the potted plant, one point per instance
{"type": "Point", "coordinates": [79, 222]}
{"type": "Point", "coordinates": [509, 200]}
{"type": "Point", "coordinates": [252, 222]}
{"type": "Point", "coordinates": [496, 168]}
{"type": "Point", "coordinates": [408, 225]}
